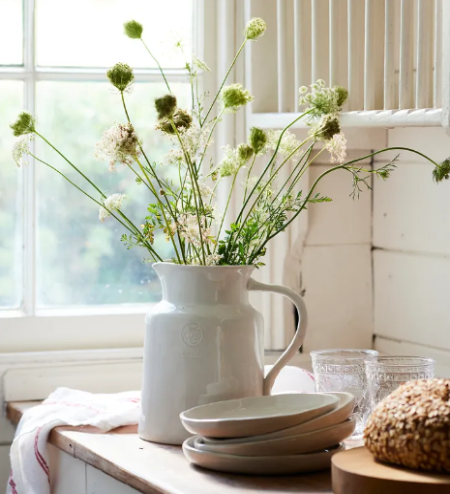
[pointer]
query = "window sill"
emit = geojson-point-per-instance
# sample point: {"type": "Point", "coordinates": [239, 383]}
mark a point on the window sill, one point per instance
{"type": "Point", "coordinates": [152, 468]}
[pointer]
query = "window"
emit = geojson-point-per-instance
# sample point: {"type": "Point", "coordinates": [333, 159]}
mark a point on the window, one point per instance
{"type": "Point", "coordinates": [62, 271]}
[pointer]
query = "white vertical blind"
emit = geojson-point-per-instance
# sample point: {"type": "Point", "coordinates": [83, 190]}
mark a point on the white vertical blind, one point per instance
{"type": "Point", "coordinates": [406, 54]}
{"type": "Point", "coordinates": [355, 54]}
{"type": "Point", "coordinates": [389, 60]}
{"type": "Point", "coordinates": [281, 54]}
{"type": "Point", "coordinates": [388, 54]}
{"type": "Point", "coordinates": [424, 64]}
{"type": "Point", "coordinates": [320, 37]}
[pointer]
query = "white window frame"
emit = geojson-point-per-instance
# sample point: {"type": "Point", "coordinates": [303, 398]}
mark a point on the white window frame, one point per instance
{"type": "Point", "coordinates": [29, 328]}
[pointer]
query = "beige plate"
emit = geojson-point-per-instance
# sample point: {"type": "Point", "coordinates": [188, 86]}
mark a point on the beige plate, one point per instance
{"type": "Point", "coordinates": [260, 465]}
{"type": "Point", "coordinates": [336, 416]}
{"type": "Point", "coordinates": [303, 443]}
{"type": "Point", "coordinates": [256, 415]}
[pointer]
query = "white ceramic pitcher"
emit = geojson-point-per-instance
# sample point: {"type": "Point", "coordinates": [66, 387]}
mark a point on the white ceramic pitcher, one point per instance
{"type": "Point", "coordinates": [204, 342]}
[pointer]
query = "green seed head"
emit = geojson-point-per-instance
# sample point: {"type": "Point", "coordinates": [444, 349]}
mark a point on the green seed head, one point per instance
{"type": "Point", "coordinates": [133, 29]}
{"type": "Point", "coordinates": [166, 106]}
{"type": "Point", "coordinates": [23, 125]}
{"type": "Point", "coordinates": [181, 119]}
{"type": "Point", "coordinates": [342, 95]}
{"type": "Point", "coordinates": [121, 76]}
{"type": "Point", "coordinates": [255, 28]}
{"type": "Point", "coordinates": [257, 139]}
{"type": "Point", "coordinates": [245, 152]}
{"type": "Point", "coordinates": [328, 128]}
{"type": "Point", "coordinates": [235, 96]}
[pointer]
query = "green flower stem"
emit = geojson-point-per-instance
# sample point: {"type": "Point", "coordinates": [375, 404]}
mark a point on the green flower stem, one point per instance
{"type": "Point", "coordinates": [134, 229]}
{"type": "Point", "coordinates": [305, 158]}
{"type": "Point", "coordinates": [153, 172]}
{"type": "Point", "coordinates": [226, 208]}
{"type": "Point", "coordinates": [161, 206]}
{"type": "Point", "coordinates": [261, 192]}
{"type": "Point", "coordinates": [157, 63]}
{"type": "Point", "coordinates": [248, 175]}
{"type": "Point", "coordinates": [72, 165]}
{"type": "Point", "coordinates": [292, 185]}
{"type": "Point", "coordinates": [241, 212]}
{"type": "Point", "coordinates": [223, 82]}
{"type": "Point", "coordinates": [194, 184]}
{"type": "Point", "coordinates": [343, 166]}
{"type": "Point", "coordinates": [152, 190]}
{"type": "Point", "coordinates": [213, 128]}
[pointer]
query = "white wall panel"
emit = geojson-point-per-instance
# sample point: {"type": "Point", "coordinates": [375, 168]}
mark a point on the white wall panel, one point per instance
{"type": "Point", "coordinates": [344, 220]}
{"type": "Point", "coordinates": [68, 474]}
{"type": "Point", "coordinates": [338, 293]}
{"type": "Point", "coordinates": [411, 298]}
{"type": "Point", "coordinates": [98, 482]}
{"type": "Point", "coordinates": [411, 211]}
{"type": "Point", "coordinates": [433, 142]}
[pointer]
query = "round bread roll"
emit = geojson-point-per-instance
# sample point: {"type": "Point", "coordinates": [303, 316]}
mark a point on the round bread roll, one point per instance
{"type": "Point", "coordinates": [411, 426]}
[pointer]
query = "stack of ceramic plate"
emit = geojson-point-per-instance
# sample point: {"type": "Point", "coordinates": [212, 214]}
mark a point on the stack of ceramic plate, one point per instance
{"type": "Point", "coordinates": [268, 435]}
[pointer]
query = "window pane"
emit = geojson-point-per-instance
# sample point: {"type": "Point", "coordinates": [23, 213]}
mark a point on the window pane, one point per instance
{"type": "Point", "coordinates": [80, 260]}
{"type": "Point", "coordinates": [11, 104]}
{"type": "Point", "coordinates": [89, 33]}
{"type": "Point", "coordinates": [11, 43]}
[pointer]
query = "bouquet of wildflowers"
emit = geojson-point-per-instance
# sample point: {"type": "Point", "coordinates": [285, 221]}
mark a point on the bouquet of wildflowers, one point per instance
{"type": "Point", "coordinates": [185, 209]}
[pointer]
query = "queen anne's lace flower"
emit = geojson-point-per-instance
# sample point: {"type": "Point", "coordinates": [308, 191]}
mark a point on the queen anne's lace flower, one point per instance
{"type": "Point", "coordinates": [205, 191]}
{"type": "Point", "coordinates": [213, 259]}
{"type": "Point", "coordinates": [113, 202]}
{"type": "Point", "coordinates": [322, 100]}
{"type": "Point", "coordinates": [118, 144]}
{"type": "Point", "coordinates": [21, 149]}
{"type": "Point", "coordinates": [234, 96]}
{"type": "Point", "coordinates": [255, 28]}
{"type": "Point", "coordinates": [337, 147]}
{"type": "Point", "coordinates": [289, 143]}
{"type": "Point", "coordinates": [231, 162]}
{"type": "Point", "coordinates": [194, 139]}
{"type": "Point", "coordinates": [188, 229]}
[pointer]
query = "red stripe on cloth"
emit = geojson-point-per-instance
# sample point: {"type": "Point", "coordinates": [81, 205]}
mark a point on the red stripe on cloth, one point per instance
{"type": "Point", "coordinates": [76, 405]}
{"type": "Point", "coordinates": [13, 486]}
{"type": "Point", "coordinates": [40, 459]}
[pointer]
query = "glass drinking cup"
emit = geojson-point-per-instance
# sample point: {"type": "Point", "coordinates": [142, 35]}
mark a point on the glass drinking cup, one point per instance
{"type": "Point", "coordinates": [344, 370]}
{"type": "Point", "coordinates": [385, 374]}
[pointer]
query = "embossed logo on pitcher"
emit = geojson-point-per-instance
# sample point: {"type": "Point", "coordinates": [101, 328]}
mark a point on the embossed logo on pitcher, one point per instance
{"type": "Point", "coordinates": [192, 334]}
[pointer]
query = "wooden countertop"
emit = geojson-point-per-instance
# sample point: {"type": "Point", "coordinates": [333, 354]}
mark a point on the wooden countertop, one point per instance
{"type": "Point", "coordinates": [161, 469]}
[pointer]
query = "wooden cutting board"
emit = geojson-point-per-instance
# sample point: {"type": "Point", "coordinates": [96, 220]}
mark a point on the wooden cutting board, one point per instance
{"type": "Point", "coordinates": [355, 471]}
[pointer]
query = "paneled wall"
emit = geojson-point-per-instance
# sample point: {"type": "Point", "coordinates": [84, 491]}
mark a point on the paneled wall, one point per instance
{"type": "Point", "coordinates": [411, 238]}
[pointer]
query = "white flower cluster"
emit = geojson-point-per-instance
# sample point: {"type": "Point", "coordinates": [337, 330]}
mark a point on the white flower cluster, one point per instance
{"type": "Point", "coordinates": [118, 144]}
{"type": "Point", "coordinates": [231, 162]}
{"type": "Point", "coordinates": [188, 228]}
{"type": "Point", "coordinates": [21, 149]}
{"type": "Point", "coordinates": [113, 202]}
{"type": "Point", "coordinates": [289, 143]}
{"type": "Point", "coordinates": [205, 191]}
{"type": "Point", "coordinates": [195, 140]}
{"type": "Point", "coordinates": [337, 147]}
{"type": "Point", "coordinates": [210, 260]}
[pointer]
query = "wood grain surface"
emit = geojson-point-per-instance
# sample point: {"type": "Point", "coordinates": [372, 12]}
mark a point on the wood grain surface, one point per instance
{"type": "Point", "coordinates": [154, 468]}
{"type": "Point", "coordinates": [356, 471]}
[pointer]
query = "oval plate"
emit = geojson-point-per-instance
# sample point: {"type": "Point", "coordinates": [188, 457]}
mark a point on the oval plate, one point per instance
{"type": "Point", "coordinates": [256, 415]}
{"type": "Point", "coordinates": [260, 465]}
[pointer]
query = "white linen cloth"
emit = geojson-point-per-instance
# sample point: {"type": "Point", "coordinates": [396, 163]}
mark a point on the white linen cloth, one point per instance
{"type": "Point", "coordinates": [30, 472]}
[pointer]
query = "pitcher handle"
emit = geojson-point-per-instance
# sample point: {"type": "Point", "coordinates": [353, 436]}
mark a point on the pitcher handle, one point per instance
{"type": "Point", "coordinates": [299, 336]}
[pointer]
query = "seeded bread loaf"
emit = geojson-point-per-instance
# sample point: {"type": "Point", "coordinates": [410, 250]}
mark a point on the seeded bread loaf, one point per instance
{"type": "Point", "coordinates": [411, 427]}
